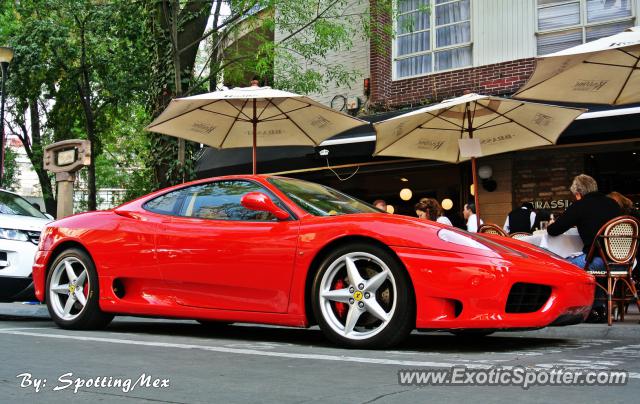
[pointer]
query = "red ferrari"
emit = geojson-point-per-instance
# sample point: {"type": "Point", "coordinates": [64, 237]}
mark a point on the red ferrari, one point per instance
{"type": "Point", "coordinates": [283, 251]}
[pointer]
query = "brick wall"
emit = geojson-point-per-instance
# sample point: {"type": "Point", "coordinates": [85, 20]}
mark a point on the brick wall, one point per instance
{"type": "Point", "coordinates": [386, 93]}
{"type": "Point", "coordinates": [545, 176]}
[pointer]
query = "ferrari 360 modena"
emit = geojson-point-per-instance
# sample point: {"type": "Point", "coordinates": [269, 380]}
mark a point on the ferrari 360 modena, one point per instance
{"type": "Point", "coordinates": [274, 250]}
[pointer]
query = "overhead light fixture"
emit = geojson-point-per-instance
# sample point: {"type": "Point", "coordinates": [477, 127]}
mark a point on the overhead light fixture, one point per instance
{"type": "Point", "coordinates": [390, 209]}
{"type": "Point", "coordinates": [447, 204]}
{"type": "Point", "coordinates": [405, 194]}
{"type": "Point", "coordinates": [406, 180]}
{"type": "Point", "coordinates": [485, 172]}
{"type": "Point", "coordinates": [472, 190]}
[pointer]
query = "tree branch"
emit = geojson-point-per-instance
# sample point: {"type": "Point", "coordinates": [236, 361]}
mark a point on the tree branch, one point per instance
{"type": "Point", "coordinates": [308, 24]}
{"type": "Point", "coordinates": [215, 29]}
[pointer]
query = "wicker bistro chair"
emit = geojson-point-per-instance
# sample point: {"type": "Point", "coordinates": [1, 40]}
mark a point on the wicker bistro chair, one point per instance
{"type": "Point", "coordinates": [616, 244]}
{"type": "Point", "coordinates": [519, 235]}
{"type": "Point", "coordinates": [489, 228]}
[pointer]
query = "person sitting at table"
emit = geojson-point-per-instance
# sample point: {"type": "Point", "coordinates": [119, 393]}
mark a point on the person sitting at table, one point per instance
{"type": "Point", "coordinates": [469, 213]}
{"type": "Point", "coordinates": [430, 209]}
{"type": "Point", "coordinates": [542, 215]}
{"type": "Point", "coordinates": [626, 204]}
{"type": "Point", "coordinates": [591, 210]}
{"type": "Point", "coordinates": [520, 220]}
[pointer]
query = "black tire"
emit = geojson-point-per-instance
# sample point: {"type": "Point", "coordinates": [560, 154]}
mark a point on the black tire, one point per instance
{"type": "Point", "coordinates": [90, 317]}
{"type": "Point", "coordinates": [402, 320]}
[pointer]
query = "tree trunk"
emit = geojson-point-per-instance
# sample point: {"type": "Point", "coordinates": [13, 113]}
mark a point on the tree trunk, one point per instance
{"type": "Point", "coordinates": [35, 152]}
{"type": "Point", "coordinates": [193, 18]}
{"type": "Point", "coordinates": [84, 91]}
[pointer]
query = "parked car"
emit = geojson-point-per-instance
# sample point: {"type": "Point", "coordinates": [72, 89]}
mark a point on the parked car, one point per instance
{"type": "Point", "coordinates": [284, 251]}
{"type": "Point", "coordinates": [20, 227]}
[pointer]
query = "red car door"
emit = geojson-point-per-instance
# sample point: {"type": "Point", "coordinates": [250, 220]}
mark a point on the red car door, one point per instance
{"type": "Point", "coordinates": [214, 253]}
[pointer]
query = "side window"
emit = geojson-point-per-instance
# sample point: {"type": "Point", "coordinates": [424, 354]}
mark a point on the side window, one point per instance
{"type": "Point", "coordinates": [168, 204]}
{"type": "Point", "coordinates": [217, 200]}
{"type": "Point", "coordinates": [221, 200]}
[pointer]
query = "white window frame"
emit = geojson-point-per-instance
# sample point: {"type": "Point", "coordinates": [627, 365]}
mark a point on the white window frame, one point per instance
{"type": "Point", "coordinates": [584, 24]}
{"type": "Point", "coordinates": [433, 49]}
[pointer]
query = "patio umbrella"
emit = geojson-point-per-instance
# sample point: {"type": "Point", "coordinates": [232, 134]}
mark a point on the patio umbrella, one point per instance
{"type": "Point", "coordinates": [471, 126]}
{"type": "Point", "coordinates": [246, 117]}
{"type": "Point", "coordinates": [605, 71]}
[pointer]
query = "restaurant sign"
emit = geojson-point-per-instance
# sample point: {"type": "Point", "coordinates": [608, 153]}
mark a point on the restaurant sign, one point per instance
{"type": "Point", "coordinates": [551, 204]}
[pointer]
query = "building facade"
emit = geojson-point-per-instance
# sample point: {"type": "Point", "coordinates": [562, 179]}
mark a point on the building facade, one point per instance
{"type": "Point", "coordinates": [441, 48]}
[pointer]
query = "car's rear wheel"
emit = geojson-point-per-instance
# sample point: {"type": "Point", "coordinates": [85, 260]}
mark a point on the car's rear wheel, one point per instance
{"type": "Point", "coordinates": [362, 297]}
{"type": "Point", "coordinates": [72, 292]}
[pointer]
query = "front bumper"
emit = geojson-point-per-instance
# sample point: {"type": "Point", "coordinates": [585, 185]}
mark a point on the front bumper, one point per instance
{"type": "Point", "coordinates": [458, 291]}
{"type": "Point", "coordinates": [39, 270]}
{"type": "Point", "coordinates": [16, 258]}
{"type": "Point", "coordinates": [16, 261]}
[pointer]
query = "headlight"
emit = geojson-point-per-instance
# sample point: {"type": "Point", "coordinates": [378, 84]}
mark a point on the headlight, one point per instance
{"type": "Point", "coordinates": [457, 238]}
{"type": "Point", "coordinates": [12, 234]}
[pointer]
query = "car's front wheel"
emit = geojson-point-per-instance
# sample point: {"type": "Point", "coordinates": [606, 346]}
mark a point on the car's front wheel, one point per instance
{"type": "Point", "coordinates": [362, 297]}
{"type": "Point", "coordinates": [72, 292]}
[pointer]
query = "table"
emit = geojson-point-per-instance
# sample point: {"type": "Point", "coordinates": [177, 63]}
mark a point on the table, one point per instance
{"type": "Point", "coordinates": [565, 245]}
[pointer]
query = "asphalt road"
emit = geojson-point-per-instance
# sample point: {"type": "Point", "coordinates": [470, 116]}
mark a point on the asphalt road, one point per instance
{"type": "Point", "coordinates": [251, 363]}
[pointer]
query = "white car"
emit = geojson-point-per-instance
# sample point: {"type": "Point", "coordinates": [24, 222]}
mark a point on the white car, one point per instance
{"type": "Point", "coordinates": [20, 227]}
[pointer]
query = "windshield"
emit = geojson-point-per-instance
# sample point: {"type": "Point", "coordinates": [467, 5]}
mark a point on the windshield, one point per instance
{"type": "Point", "coordinates": [320, 200]}
{"type": "Point", "coordinates": [11, 204]}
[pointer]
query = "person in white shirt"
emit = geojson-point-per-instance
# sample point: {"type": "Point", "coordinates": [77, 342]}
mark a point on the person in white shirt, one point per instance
{"type": "Point", "coordinates": [469, 213]}
{"type": "Point", "coordinates": [430, 209]}
{"type": "Point", "coordinates": [520, 219]}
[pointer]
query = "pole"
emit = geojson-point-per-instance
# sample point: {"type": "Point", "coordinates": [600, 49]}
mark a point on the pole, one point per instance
{"type": "Point", "coordinates": [474, 171]}
{"type": "Point", "coordinates": [5, 67]}
{"type": "Point", "coordinates": [65, 182]}
{"type": "Point", "coordinates": [475, 190]}
{"type": "Point", "coordinates": [255, 134]}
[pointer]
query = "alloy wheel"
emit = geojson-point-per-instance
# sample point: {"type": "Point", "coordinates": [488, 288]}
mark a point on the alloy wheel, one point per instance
{"type": "Point", "coordinates": [358, 295]}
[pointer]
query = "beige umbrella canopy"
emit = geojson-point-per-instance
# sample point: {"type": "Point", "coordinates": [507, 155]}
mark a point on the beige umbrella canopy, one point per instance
{"type": "Point", "coordinates": [471, 126]}
{"type": "Point", "coordinates": [251, 116]}
{"type": "Point", "coordinates": [605, 71]}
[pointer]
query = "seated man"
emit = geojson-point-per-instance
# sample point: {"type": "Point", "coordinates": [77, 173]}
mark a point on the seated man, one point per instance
{"type": "Point", "coordinates": [520, 220]}
{"type": "Point", "coordinates": [591, 210]}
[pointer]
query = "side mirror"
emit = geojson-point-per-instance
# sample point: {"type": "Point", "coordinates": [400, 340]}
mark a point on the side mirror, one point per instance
{"type": "Point", "coordinates": [262, 203]}
{"type": "Point", "coordinates": [49, 216]}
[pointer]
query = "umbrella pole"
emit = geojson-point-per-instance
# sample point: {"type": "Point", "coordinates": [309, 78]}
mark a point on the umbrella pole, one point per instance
{"type": "Point", "coordinates": [474, 171]}
{"type": "Point", "coordinates": [475, 190]}
{"type": "Point", "coordinates": [255, 130]}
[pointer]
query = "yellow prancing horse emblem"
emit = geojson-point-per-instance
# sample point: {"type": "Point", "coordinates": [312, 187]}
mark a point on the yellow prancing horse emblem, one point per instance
{"type": "Point", "coordinates": [357, 295]}
{"type": "Point", "coordinates": [72, 288]}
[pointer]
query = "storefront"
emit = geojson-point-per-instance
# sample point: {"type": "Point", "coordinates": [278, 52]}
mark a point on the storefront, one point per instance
{"type": "Point", "coordinates": [604, 144]}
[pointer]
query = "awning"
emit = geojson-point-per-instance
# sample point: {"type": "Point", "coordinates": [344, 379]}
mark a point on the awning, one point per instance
{"type": "Point", "coordinates": [601, 123]}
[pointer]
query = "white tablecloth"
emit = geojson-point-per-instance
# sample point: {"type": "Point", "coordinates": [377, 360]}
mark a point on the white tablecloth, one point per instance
{"type": "Point", "coordinates": [565, 245]}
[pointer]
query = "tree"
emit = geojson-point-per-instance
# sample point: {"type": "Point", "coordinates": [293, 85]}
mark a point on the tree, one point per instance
{"type": "Point", "coordinates": [80, 63]}
{"type": "Point", "coordinates": [10, 175]}
{"type": "Point", "coordinates": [308, 29]}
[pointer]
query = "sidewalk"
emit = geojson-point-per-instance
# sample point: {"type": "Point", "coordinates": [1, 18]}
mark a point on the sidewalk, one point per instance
{"type": "Point", "coordinates": [630, 328]}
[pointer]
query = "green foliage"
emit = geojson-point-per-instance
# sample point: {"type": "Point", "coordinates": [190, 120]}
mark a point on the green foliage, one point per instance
{"type": "Point", "coordinates": [10, 174]}
{"type": "Point", "coordinates": [85, 63]}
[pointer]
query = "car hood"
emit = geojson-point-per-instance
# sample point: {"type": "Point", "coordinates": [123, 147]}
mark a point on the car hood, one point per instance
{"type": "Point", "coordinates": [19, 222]}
